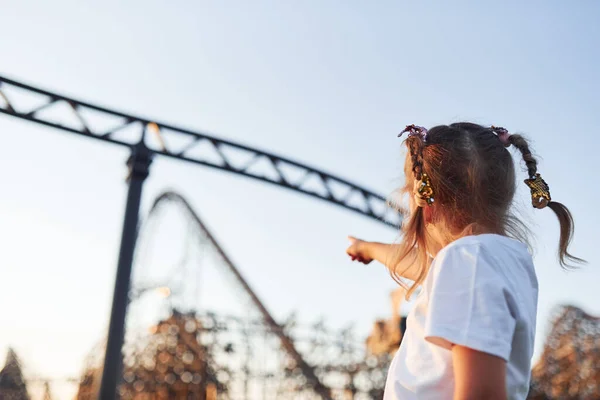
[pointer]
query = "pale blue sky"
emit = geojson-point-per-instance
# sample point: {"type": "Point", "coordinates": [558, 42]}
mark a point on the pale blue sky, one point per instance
{"type": "Point", "coordinates": [329, 83]}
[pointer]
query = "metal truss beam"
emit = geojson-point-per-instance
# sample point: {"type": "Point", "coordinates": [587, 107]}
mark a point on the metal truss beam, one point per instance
{"type": "Point", "coordinates": [92, 121]}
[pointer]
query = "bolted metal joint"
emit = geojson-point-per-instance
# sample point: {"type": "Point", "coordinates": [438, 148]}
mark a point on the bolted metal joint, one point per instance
{"type": "Point", "coordinates": [139, 162]}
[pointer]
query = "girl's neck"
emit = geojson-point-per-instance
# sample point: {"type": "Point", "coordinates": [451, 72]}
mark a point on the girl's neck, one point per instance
{"type": "Point", "coordinates": [440, 236]}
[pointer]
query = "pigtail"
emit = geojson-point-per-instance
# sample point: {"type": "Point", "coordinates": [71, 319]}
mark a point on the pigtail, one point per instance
{"type": "Point", "coordinates": [530, 162]}
{"type": "Point", "coordinates": [415, 147]}
{"type": "Point", "coordinates": [567, 227]}
{"type": "Point", "coordinates": [540, 198]}
{"type": "Point", "coordinates": [414, 229]}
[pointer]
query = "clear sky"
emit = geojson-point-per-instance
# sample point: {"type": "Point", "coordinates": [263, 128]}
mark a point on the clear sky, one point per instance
{"type": "Point", "coordinates": [329, 83]}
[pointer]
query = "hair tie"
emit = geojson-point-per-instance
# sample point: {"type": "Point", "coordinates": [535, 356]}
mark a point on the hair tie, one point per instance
{"type": "Point", "coordinates": [423, 192]}
{"type": "Point", "coordinates": [540, 191]}
{"type": "Point", "coordinates": [414, 130]}
{"type": "Point", "coordinates": [502, 134]}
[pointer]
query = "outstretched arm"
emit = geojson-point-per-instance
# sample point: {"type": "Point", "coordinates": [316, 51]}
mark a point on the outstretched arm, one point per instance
{"type": "Point", "coordinates": [365, 252]}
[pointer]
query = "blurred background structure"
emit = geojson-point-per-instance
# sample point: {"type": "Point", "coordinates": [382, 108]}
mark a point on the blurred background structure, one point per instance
{"type": "Point", "coordinates": [326, 83]}
{"type": "Point", "coordinates": [137, 130]}
{"type": "Point", "coordinates": [329, 188]}
{"type": "Point", "coordinates": [177, 348]}
{"type": "Point", "coordinates": [569, 365]}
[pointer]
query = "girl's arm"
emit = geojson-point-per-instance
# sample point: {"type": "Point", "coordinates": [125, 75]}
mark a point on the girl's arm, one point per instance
{"type": "Point", "coordinates": [478, 375]}
{"type": "Point", "coordinates": [386, 254]}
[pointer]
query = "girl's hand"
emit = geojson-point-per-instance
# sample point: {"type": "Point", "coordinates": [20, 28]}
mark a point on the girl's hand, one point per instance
{"type": "Point", "coordinates": [358, 250]}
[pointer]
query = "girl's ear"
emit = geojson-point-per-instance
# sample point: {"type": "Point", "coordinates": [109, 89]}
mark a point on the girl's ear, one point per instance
{"type": "Point", "coordinates": [428, 213]}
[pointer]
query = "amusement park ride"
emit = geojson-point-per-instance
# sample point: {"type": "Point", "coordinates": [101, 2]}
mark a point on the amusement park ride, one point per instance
{"type": "Point", "coordinates": [177, 143]}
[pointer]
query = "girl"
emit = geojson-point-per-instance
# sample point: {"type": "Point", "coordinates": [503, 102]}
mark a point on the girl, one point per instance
{"type": "Point", "coordinates": [470, 333]}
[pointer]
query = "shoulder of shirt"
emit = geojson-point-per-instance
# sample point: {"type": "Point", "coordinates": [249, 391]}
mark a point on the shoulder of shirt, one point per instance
{"type": "Point", "coordinates": [486, 252]}
{"type": "Point", "coordinates": [490, 242]}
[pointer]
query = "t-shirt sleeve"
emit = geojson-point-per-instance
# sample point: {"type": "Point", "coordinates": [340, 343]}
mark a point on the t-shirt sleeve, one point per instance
{"type": "Point", "coordinates": [469, 303]}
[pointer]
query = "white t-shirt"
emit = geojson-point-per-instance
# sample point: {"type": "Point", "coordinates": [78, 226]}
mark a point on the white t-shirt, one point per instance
{"type": "Point", "coordinates": [481, 292]}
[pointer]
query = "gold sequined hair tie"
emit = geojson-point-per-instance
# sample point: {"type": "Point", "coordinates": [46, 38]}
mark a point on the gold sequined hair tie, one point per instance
{"type": "Point", "coordinates": [540, 191]}
{"type": "Point", "coordinates": [423, 192]}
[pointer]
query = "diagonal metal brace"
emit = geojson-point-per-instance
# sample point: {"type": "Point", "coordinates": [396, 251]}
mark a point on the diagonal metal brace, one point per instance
{"type": "Point", "coordinates": [273, 165]}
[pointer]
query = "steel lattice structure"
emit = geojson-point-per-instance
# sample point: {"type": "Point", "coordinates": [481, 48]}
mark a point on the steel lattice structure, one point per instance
{"type": "Point", "coordinates": [182, 144]}
{"type": "Point", "coordinates": [286, 342]}
{"type": "Point", "coordinates": [177, 143]}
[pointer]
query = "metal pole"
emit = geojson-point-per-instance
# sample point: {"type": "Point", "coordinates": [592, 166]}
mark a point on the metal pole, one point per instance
{"type": "Point", "coordinates": [138, 163]}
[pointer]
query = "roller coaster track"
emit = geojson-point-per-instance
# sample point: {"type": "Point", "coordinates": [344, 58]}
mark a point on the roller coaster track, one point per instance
{"type": "Point", "coordinates": [191, 146]}
{"type": "Point", "coordinates": [286, 343]}
{"type": "Point", "coordinates": [74, 116]}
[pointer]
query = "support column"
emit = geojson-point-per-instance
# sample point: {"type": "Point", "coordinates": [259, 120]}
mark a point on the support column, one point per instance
{"type": "Point", "coordinates": [138, 163]}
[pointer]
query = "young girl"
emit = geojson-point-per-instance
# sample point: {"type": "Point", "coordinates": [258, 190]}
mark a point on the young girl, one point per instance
{"type": "Point", "coordinates": [470, 333]}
